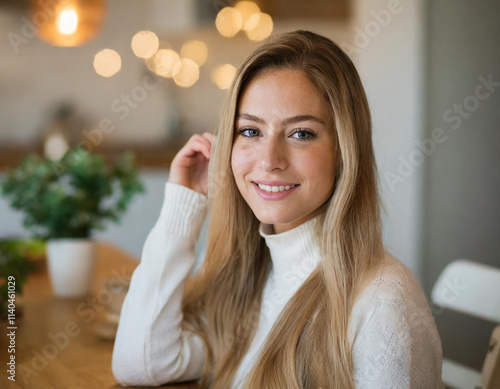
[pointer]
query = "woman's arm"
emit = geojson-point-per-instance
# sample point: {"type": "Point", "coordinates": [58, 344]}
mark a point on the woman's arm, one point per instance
{"type": "Point", "coordinates": [396, 341]}
{"type": "Point", "coordinates": [150, 346]}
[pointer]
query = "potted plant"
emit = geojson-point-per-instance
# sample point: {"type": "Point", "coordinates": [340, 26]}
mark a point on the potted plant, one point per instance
{"type": "Point", "coordinates": [64, 202]}
{"type": "Point", "coordinates": [14, 269]}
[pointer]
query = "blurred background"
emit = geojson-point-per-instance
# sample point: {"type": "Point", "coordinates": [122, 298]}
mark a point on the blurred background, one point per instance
{"type": "Point", "coordinates": [144, 75]}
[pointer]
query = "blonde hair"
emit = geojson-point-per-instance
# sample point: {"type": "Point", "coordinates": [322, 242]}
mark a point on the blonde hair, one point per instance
{"type": "Point", "coordinates": [308, 346]}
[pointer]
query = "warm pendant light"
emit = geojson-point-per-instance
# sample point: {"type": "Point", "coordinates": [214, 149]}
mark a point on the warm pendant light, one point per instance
{"type": "Point", "coordinates": [67, 22]}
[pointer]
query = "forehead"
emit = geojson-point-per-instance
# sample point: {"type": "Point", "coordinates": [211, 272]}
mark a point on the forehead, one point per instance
{"type": "Point", "coordinates": [282, 92]}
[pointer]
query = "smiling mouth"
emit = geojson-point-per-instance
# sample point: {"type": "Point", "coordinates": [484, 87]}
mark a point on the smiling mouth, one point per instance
{"type": "Point", "coordinates": [276, 188]}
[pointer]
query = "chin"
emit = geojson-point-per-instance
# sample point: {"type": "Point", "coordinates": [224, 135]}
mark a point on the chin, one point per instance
{"type": "Point", "coordinates": [273, 219]}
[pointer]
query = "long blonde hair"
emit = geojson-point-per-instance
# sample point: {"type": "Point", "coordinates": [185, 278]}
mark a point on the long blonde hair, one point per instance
{"type": "Point", "coordinates": [308, 346]}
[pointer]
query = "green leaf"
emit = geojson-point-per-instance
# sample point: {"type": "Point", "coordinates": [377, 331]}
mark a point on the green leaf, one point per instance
{"type": "Point", "coordinates": [71, 197]}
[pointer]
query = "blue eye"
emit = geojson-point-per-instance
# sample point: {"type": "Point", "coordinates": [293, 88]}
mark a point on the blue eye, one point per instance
{"type": "Point", "coordinates": [244, 129]}
{"type": "Point", "coordinates": [307, 135]}
{"type": "Point", "coordinates": [310, 135]}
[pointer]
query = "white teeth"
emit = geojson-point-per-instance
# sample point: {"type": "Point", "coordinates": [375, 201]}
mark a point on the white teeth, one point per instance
{"type": "Point", "coordinates": [281, 188]}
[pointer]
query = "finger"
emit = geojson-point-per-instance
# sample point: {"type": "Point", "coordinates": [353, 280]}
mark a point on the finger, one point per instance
{"type": "Point", "coordinates": [205, 138]}
{"type": "Point", "coordinates": [208, 139]}
{"type": "Point", "coordinates": [211, 137]}
{"type": "Point", "coordinates": [197, 145]}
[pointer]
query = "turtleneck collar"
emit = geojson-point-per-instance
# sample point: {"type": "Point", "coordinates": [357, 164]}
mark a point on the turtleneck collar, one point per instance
{"type": "Point", "coordinates": [293, 251]}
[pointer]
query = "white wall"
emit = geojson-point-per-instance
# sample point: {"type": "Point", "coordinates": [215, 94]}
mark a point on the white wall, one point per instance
{"type": "Point", "coordinates": [388, 50]}
{"type": "Point", "coordinates": [463, 175]}
{"type": "Point", "coordinates": [389, 67]}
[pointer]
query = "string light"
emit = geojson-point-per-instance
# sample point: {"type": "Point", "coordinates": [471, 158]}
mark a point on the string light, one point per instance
{"type": "Point", "coordinates": [165, 63]}
{"type": "Point", "coordinates": [107, 62]}
{"type": "Point", "coordinates": [246, 9]}
{"type": "Point", "coordinates": [229, 22]}
{"type": "Point", "coordinates": [195, 50]}
{"type": "Point", "coordinates": [187, 74]}
{"type": "Point", "coordinates": [145, 44]}
{"type": "Point", "coordinates": [259, 26]}
{"type": "Point", "coordinates": [223, 75]}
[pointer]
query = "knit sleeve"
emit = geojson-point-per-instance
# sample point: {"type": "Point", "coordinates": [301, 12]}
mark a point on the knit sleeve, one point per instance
{"type": "Point", "coordinates": [396, 341]}
{"type": "Point", "coordinates": [150, 347]}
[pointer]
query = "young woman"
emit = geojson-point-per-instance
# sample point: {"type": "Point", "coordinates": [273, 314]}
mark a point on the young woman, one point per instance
{"type": "Point", "coordinates": [296, 289]}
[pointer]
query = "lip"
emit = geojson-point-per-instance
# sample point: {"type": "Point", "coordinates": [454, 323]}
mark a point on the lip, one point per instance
{"type": "Point", "coordinates": [273, 195]}
{"type": "Point", "coordinates": [275, 183]}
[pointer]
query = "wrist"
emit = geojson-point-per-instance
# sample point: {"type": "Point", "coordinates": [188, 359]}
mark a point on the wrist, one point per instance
{"type": "Point", "coordinates": [184, 210]}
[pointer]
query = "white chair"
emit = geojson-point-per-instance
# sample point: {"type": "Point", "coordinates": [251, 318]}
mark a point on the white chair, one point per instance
{"type": "Point", "coordinates": [474, 289]}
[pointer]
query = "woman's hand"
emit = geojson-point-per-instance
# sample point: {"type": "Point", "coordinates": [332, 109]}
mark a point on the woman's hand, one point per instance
{"type": "Point", "coordinates": [190, 165]}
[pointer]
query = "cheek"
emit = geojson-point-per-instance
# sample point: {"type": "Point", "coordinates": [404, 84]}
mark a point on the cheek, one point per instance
{"type": "Point", "coordinates": [315, 161]}
{"type": "Point", "coordinates": [241, 160]}
{"type": "Point", "coordinates": [320, 165]}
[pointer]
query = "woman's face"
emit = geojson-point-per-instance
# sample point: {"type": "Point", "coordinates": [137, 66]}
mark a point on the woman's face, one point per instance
{"type": "Point", "coordinates": [284, 136]}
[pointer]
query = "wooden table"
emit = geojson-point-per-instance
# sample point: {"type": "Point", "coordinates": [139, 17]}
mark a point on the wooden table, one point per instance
{"type": "Point", "coordinates": [56, 346]}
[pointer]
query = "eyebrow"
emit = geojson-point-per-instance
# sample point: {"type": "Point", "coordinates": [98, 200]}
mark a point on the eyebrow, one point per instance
{"type": "Point", "coordinates": [290, 120]}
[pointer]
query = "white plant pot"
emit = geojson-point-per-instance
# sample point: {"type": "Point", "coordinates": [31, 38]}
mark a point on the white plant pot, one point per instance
{"type": "Point", "coordinates": [71, 266]}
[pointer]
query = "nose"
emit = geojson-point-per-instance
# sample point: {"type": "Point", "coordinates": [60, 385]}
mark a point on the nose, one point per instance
{"type": "Point", "coordinates": [273, 155]}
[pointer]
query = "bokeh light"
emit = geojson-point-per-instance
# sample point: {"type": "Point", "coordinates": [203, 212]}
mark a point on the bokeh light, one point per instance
{"type": "Point", "coordinates": [195, 50]}
{"type": "Point", "coordinates": [107, 62]}
{"type": "Point", "coordinates": [165, 63]}
{"type": "Point", "coordinates": [223, 75]}
{"type": "Point", "coordinates": [67, 21]}
{"type": "Point", "coordinates": [187, 74]}
{"type": "Point", "coordinates": [145, 44]}
{"type": "Point", "coordinates": [247, 9]}
{"type": "Point", "coordinates": [259, 26]}
{"type": "Point", "coordinates": [229, 22]}
{"type": "Point", "coordinates": [55, 146]}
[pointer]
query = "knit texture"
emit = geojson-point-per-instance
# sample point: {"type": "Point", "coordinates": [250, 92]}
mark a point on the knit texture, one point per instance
{"type": "Point", "coordinates": [392, 331]}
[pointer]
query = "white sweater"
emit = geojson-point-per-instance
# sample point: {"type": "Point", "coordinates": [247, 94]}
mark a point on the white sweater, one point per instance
{"type": "Point", "coordinates": [394, 338]}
